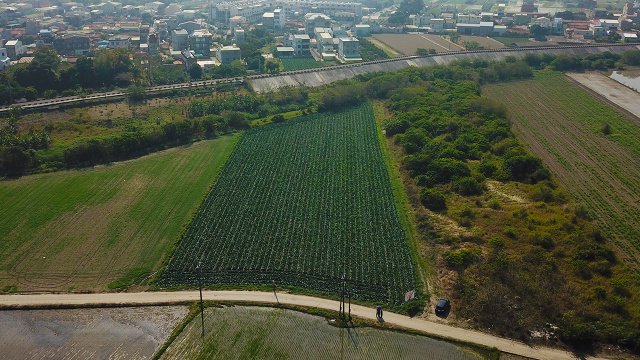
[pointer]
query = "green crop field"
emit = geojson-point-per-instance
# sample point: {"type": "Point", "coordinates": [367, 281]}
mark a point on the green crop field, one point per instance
{"type": "Point", "coordinates": [300, 64]}
{"type": "Point", "coordinates": [563, 125]}
{"type": "Point", "coordinates": [266, 333]}
{"type": "Point", "coordinates": [87, 228]}
{"type": "Point", "coordinates": [302, 203]}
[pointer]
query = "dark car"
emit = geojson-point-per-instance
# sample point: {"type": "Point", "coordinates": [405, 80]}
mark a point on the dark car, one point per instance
{"type": "Point", "coordinates": [443, 306]}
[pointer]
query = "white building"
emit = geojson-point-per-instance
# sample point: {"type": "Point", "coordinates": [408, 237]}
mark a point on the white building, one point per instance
{"type": "Point", "coordinates": [325, 43]}
{"type": "Point", "coordinates": [329, 8]}
{"type": "Point", "coordinates": [348, 49]}
{"type": "Point", "coordinates": [5, 62]}
{"type": "Point", "coordinates": [279, 18]}
{"type": "Point", "coordinates": [15, 49]}
{"type": "Point", "coordinates": [119, 41]}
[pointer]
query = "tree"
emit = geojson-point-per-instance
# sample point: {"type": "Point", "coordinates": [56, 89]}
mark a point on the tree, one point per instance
{"type": "Point", "coordinates": [85, 73]}
{"type": "Point", "coordinates": [538, 32]}
{"type": "Point", "coordinates": [37, 74]}
{"type": "Point", "coordinates": [107, 64]}
{"type": "Point", "coordinates": [272, 65]}
{"type": "Point", "coordinates": [406, 8]}
{"type": "Point", "coordinates": [47, 56]}
{"type": "Point", "coordinates": [195, 71]}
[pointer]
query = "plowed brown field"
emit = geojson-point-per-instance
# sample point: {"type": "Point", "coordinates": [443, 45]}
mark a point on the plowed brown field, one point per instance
{"type": "Point", "coordinates": [563, 124]}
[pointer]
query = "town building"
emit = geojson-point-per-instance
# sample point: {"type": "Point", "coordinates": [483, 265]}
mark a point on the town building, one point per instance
{"type": "Point", "coordinates": [200, 42]}
{"type": "Point", "coordinates": [179, 40]}
{"type": "Point", "coordinates": [15, 49]}
{"type": "Point", "coordinates": [348, 49]}
{"type": "Point", "coordinates": [72, 45]}
{"type": "Point", "coordinates": [314, 20]}
{"type": "Point", "coordinates": [228, 54]}
{"type": "Point", "coordinates": [5, 62]}
{"type": "Point", "coordinates": [119, 41]}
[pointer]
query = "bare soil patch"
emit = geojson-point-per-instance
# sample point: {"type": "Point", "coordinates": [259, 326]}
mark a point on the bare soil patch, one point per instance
{"type": "Point", "coordinates": [485, 42]}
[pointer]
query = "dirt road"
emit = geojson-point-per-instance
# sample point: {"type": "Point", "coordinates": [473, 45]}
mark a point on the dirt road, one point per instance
{"type": "Point", "coordinates": [610, 89]}
{"type": "Point", "coordinates": [151, 298]}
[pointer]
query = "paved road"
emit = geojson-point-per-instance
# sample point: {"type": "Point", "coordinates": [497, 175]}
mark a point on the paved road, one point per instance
{"type": "Point", "coordinates": [149, 298]}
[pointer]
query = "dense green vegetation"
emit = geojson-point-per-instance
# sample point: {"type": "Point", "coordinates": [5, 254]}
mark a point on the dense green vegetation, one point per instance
{"type": "Point", "coordinates": [113, 225]}
{"type": "Point", "coordinates": [303, 203]}
{"type": "Point", "coordinates": [108, 140]}
{"type": "Point", "coordinates": [369, 51]}
{"type": "Point", "coordinates": [518, 264]}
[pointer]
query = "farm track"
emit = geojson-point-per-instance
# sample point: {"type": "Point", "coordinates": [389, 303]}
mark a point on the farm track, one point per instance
{"type": "Point", "coordinates": [562, 127]}
{"type": "Point", "coordinates": [437, 328]}
{"type": "Point", "coordinates": [48, 103]}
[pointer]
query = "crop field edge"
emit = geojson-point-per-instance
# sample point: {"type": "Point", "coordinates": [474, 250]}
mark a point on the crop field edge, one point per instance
{"type": "Point", "coordinates": [174, 245]}
{"type": "Point", "coordinates": [423, 270]}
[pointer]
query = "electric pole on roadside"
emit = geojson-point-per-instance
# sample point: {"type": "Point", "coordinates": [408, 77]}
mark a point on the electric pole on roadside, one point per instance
{"type": "Point", "coordinates": [199, 269]}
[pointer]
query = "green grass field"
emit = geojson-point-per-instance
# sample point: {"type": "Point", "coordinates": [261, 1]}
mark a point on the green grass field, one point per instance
{"type": "Point", "coordinates": [302, 203]}
{"type": "Point", "coordinates": [300, 64]}
{"type": "Point", "coordinates": [87, 228]}
{"type": "Point", "coordinates": [266, 333]}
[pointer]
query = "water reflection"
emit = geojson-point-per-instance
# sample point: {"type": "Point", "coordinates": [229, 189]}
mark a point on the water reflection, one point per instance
{"type": "Point", "coordinates": [630, 78]}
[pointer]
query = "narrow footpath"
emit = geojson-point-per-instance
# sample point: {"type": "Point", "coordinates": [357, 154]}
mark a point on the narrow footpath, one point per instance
{"type": "Point", "coordinates": [155, 298]}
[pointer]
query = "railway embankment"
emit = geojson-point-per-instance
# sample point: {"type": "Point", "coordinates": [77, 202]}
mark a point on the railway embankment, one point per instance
{"type": "Point", "coordinates": [322, 76]}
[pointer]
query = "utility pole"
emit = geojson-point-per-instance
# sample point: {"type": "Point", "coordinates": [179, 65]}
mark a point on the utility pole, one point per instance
{"type": "Point", "coordinates": [199, 268]}
{"type": "Point", "coordinates": [9, 85]}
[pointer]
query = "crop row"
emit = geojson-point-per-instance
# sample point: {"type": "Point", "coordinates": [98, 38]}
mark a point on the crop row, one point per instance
{"type": "Point", "coordinates": [302, 203]}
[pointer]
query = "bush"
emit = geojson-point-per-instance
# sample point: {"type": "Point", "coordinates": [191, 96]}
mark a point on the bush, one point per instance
{"type": "Point", "coordinates": [278, 118]}
{"type": "Point", "coordinates": [433, 200]}
{"type": "Point", "coordinates": [467, 186]}
{"type": "Point", "coordinates": [462, 257]}
{"type": "Point", "coordinates": [487, 169]}
{"type": "Point", "coordinates": [50, 94]}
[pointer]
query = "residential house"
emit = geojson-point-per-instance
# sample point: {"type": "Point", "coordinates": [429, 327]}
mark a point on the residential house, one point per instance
{"type": "Point", "coordinates": [228, 54]}
{"type": "Point", "coordinates": [73, 44]}
{"type": "Point", "coordinates": [119, 41]}
{"type": "Point", "coordinates": [200, 42]}
{"type": "Point", "coordinates": [15, 49]}
{"type": "Point", "coordinates": [179, 40]}
{"type": "Point", "coordinates": [348, 49]}
{"type": "Point", "coordinates": [5, 62]}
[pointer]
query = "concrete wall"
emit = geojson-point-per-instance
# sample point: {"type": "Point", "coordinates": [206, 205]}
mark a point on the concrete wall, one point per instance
{"type": "Point", "coordinates": [323, 76]}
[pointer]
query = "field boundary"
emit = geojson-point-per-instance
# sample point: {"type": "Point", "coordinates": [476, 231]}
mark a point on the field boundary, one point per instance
{"type": "Point", "coordinates": [601, 97]}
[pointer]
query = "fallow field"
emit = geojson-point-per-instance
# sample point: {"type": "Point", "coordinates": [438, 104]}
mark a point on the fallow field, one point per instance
{"type": "Point", "coordinates": [565, 126]}
{"type": "Point", "coordinates": [84, 229]}
{"type": "Point", "coordinates": [303, 203]}
{"type": "Point", "coordinates": [407, 44]}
